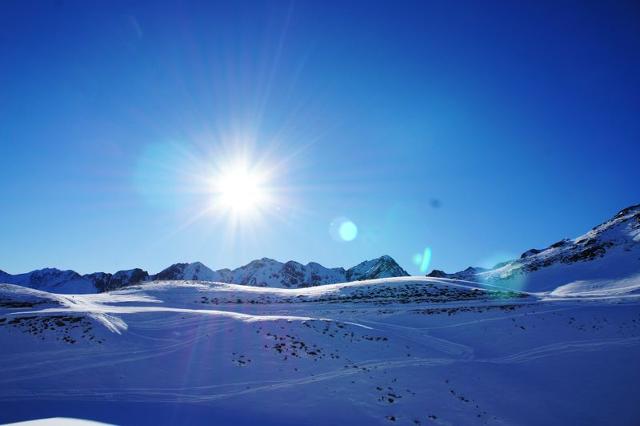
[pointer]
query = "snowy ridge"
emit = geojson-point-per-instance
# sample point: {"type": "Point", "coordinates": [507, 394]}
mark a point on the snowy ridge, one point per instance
{"type": "Point", "coordinates": [606, 256]}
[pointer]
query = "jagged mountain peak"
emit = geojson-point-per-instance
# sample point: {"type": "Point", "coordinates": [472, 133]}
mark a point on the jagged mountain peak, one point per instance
{"type": "Point", "coordinates": [108, 282]}
{"type": "Point", "coordinates": [627, 212]}
{"type": "Point", "coordinates": [382, 267]}
{"type": "Point", "coordinates": [187, 271]}
{"type": "Point", "coordinates": [265, 260]}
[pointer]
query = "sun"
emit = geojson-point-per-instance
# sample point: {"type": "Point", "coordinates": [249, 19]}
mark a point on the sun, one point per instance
{"type": "Point", "coordinates": [240, 190]}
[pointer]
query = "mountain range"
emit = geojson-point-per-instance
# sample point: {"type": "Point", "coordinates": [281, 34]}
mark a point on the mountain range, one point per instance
{"type": "Point", "coordinates": [607, 256]}
{"type": "Point", "coordinates": [261, 272]}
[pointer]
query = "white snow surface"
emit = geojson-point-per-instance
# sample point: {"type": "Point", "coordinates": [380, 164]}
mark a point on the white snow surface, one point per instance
{"type": "Point", "coordinates": [397, 351]}
{"type": "Point", "coordinates": [59, 421]}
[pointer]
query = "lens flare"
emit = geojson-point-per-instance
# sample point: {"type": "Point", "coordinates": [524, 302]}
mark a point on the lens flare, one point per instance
{"type": "Point", "coordinates": [343, 229]}
{"type": "Point", "coordinates": [423, 260]}
{"type": "Point", "coordinates": [348, 231]}
{"type": "Point", "coordinates": [501, 275]}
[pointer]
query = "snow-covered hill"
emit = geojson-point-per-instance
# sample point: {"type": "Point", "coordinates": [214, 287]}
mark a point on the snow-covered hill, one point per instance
{"type": "Point", "coordinates": [263, 272]}
{"type": "Point", "coordinates": [405, 351]}
{"type": "Point", "coordinates": [606, 257]}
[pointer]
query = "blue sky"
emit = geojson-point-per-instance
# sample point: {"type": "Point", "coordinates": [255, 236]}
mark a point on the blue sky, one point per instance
{"type": "Point", "coordinates": [476, 129]}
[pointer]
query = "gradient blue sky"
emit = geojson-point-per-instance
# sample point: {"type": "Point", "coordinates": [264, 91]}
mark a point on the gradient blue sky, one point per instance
{"type": "Point", "coordinates": [520, 118]}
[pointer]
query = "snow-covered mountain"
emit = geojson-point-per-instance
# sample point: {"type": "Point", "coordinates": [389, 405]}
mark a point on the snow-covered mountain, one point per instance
{"type": "Point", "coordinates": [51, 280]}
{"type": "Point", "coordinates": [56, 281]}
{"type": "Point", "coordinates": [187, 271]}
{"type": "Point", "coordinates": [271, 273]}
{"type": "Point", "coordinates": [107, 282]}
{"type": "Point", "coordinates": [606, 257]}
{"type": "Point", "coordinates": [382, 267]}
{"type": "Point", "coordinates": [262, 272]}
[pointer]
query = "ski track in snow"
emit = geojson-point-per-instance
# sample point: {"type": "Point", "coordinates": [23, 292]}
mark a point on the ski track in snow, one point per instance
{"type": "Point", "coordinates": [199, 394]}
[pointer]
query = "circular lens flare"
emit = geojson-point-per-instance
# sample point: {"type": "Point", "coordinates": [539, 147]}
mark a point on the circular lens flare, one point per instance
{"type": "Point", "coordinates": [343, 230]}
{"type": "Point", "coordinates": [348, 231]}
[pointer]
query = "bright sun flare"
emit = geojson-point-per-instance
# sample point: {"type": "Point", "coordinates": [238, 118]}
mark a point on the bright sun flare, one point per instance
{"type": "Point", "coordinates": [240, 190]}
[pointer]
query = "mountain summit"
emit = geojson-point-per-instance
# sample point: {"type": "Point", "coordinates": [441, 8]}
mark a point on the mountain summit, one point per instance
{"type": "Point", "coordinates": [263, 272]}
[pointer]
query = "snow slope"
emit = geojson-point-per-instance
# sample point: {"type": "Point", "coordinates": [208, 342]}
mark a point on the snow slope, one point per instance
{"type": "Point", "coordinates": [406, 351]}
{"type": "Point", "coordinates": [606, 256]}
